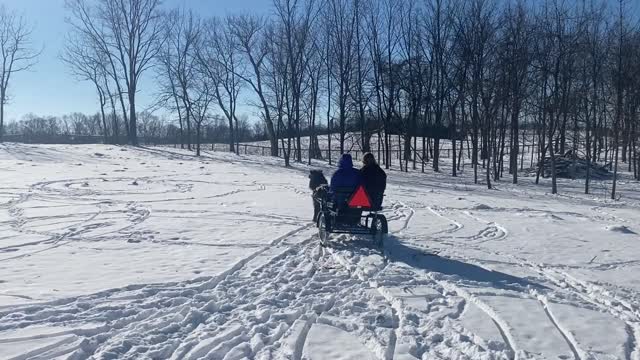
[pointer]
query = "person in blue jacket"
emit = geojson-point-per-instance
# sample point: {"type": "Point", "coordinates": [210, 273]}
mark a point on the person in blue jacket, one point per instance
{"type": "Point", "coordinates": [346, 177]}
{"type": "Point", "coordinates": [343, 183]}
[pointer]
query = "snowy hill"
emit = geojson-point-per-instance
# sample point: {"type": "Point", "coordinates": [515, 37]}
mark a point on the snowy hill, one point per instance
{"type": "Point", "coordinates": [128, 253]}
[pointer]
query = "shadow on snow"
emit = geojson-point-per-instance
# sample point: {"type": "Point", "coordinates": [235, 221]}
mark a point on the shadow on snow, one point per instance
{"type": "Point", "coordinates": [469, 274]}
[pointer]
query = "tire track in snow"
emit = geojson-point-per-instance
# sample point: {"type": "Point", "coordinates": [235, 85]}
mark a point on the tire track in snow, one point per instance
{"type": "Point", "coordinates": [302, 338]}
{"type": "Point", "coordinates": [55, 239]}
{"type": "Point", "coordinates": [422, 279]}
{"type": "Point", "coordinates": [145, 316]}
{"type": "Point", "coordinates": [505, 338]}
{"type": "Point", "coordinates": [456, 225]}
{"type": "Point", "coordinates": [605, 301]}
{"type": "Point", "coordinates": [203, 284]}
{"type": "Point", "coordinates": [407, 217]}
{"type": "Point", "coordinates": [631, 347]}
{"type": "Point", "coordinates": [388, 353]}
{"type": "Point", "coordinates": [590, 293]}
{"type": "Point", "coordinates": [501, 324]}
{"type": "Point", "coordinates": [609, 303]}
{"type": "Point", "coordinates": [502, 233]}
{"type": "Point", "coordinates": [568, 337]}
{"type": "Point", "coordinates": [303, 289]}
{"type": "Point", "coordinates": [383, 281]}
{"type": "Point", "coordinates": [494, 230]}
{"type": "Point", "coordinates": [43, 191]}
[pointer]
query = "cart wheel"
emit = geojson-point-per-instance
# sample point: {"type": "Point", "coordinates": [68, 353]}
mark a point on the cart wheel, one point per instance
{"type": "Point", "coordinates": [323, 230]}
{"type": "Point", "coordinates": [379, 229]}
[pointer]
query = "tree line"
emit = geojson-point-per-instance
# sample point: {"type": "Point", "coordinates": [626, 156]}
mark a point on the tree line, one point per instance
{"type": "Point", "coordinates": [152, 129]}
{"type": "Point", "coordinates": [479, 74]}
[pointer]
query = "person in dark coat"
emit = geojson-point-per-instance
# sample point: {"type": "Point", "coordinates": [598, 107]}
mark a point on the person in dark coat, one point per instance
{"type": "Point", "coordinates": [374, 180]}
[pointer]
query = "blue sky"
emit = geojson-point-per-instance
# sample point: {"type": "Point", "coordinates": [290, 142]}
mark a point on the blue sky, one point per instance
{"type": "Point", "coordinates": [49, 89]}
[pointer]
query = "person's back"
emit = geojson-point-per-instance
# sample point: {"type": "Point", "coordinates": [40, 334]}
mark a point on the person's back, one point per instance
{"type": "Point", "coordinates": [344, 182]}
{"type": "Point", "coordinates": [346, 177]}
{"type": "Point", "coordinates": [374, 180]}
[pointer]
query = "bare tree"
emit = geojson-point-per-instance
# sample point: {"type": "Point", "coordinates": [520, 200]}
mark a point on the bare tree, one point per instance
{"type": "Point", "coordinates": [169, 93]}
{"type": "Point", "coordinates": [296, 17]}
{"type": "Point", "coordinates": [278, 87]}
{"type": "Point", "coordinates": [341, 25]}
{"type": "Point", "coordinates": [88, 64]}
{"type": "Point", "coordinates": [618, 72]}
{"type": "Point", "coordinates": [220, 60]}
{"type": "Point", "coordinates": [16, 52]}
{"type": "Point", "coordinates": [130, 32]}
{"type": "Point", "coordinates": [516, 40]}
{"type": "Point", "coordinates": [376, 53]}
{"type": "Point", "coordinates": [362, 69]}
{"type": "Point", "coordinates": [249, 32]}
{"type": "Point", "coordinates": [178, 65]}
{"type": "Point", "coordinates": [205, 91]}
{"type": "Point", "coordinates": [316, 72]}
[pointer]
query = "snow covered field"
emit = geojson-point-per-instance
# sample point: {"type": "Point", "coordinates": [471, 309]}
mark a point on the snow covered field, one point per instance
{"type": "Point", "coordinates": [121, 253]}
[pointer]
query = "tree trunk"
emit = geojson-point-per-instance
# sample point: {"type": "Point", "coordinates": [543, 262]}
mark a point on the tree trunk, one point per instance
{"type": "Point", "coordinates": [424, 151]}
{"type": "Point", "coordinates": [2, 96]}
{"type": "Point", "coordinates": [105, 133]}
{"type": "Point", "coordinates": [524, 142]}
{"type": "Point", "coordinates": [198, 126]}
{"type": "Point", "coordinates": [436, 154]}
{"type": "Point", "coordinates": [133, 131]}
{"type": "Point", "coordinates": [188, 121]}
{"type": "Point", "coordinates": [515, 145]}
{"type": "Point", "coordinates": [387, 150]}
{"type": "Point", "coordinates": [452, 133]}
{"type": "Point", "coordinates": [615, 167]}
{"type": "Point", "coordinates": [232, 138]}
{"type": "Point", "coordinates": [587, 139]}
{"type": "Point", "coordinates": [554, 184]}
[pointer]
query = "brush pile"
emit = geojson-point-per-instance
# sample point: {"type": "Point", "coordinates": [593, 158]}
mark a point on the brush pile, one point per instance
{"type": "Point", "coordinates": [572, 166]}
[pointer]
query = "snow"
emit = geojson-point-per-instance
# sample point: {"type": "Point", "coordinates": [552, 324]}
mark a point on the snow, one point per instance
{"type": "Point", "coordinates": [328, 342]}
{"type": "Point", "coordinates": [113, 252]}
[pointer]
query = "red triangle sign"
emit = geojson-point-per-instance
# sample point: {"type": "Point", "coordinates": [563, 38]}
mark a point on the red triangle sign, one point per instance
{"type": "Point", "coordinates": [360, 199]}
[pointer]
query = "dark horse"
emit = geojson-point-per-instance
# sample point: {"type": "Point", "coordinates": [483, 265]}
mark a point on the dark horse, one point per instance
{"type": "Point", "coordinates": [318, 184]}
